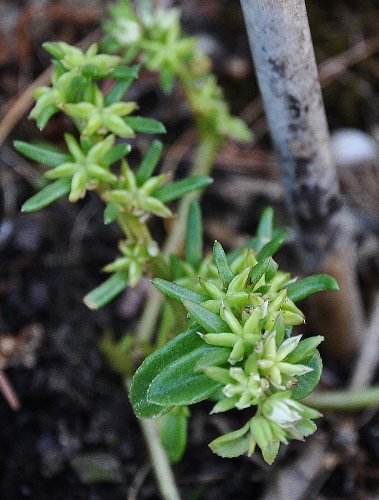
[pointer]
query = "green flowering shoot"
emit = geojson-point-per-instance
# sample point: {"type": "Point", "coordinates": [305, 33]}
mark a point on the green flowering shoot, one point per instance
{"type": "Point", "coordinates": [244, 315]}
{"type": "Point", "coordinates": [95, 159]}
{"type": "Point", "coordinates": [155, 38]}
{"type": "Point", "coordinates": [87, 169]}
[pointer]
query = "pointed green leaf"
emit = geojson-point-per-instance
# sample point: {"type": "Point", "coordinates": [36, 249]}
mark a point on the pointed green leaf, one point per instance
{"type": "Point", "coordinates": [167, 78]}
{"type": "Point", "coordinates": [115, 154]}
{"type": "Point", "coordinates": [273, 246]}
{"type": "Point", "coordinates": [176, 268]}
{"type": "Point", "coordinates": [193, 249]}
{"type": "Point", "coordinates": [233, 444]}
{"type": "Point", "coordinates": [45, 114]}
{"type": "Point", "coordinates": [180, 188]}
{"type": "Point", "coordinates": [304, 349]}
{"type": "Point", "coordinates": [210, 321]}
{"type": "Point", "coordinates": [307, 383]}
{"type": "Point", "coordinates": [54, 49]}
{"type": "Point", "coordinates": [173, 432]}
{"type": "Point", "coordinates": [311, 284]}
{"type": "Point", "coordinates": [145, 125]}
{"type": "Point", "coordinates": [124, 72]}
{"type": "Point", "coordinates": [149, 162]}
{"type": "Point", "coordinates": [118, 91]}
{"type": "Point", "coordinates": [213, 358]}
{"type": "Point", "coordinates": [107, 291]}
{"type": "Point", "coordinates": [47, 195]}
{"type": "Point", "coordinates": [265, 228]}
{"type": "Point", "coordinates": [179, 384]}
{"type": "Point", "coordinates": [111, 213]}
{"type": "Point", "coordinates": [178, 292]}
{"type": "Point", "coordinates": [75, 89]}
{"type": "Point", "coordinates": [42, 153]}
{"type": "Point", "coordinates": [258, 271]}
{"type": "Point", "coordinates": [222, 265]}
{"type": "Point", "coordinates": [152, 366]}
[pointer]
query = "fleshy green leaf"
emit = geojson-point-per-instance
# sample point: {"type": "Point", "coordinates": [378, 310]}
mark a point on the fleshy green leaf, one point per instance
{"type": "Point", "coordinates": [149, 162]}
{"type": "Point", "coordinates": [145, 125]}
{"type": "Point", "coordinates": [115, 154]}
{"type": "Point", "coordinates": [54, 49]}
{"type": "Point", "coordinates": [273, 245]}
{"type": "Point", "coordinates": [304, 349]}
{"type": "Point", "coordinates": [107, 291]}
{"type": "Point", "coordinates": [213, 358]}
{"type": "Point", "coordinates": [173, 432]}
{"type": "Point", "coordinates": [42, 153]}
{"type": "Point", "coordinates": [258, 271]}
{"type": "Point", "coordinates": [221, 262]}
{"type": "Point", "coordinates": [118, 91]}
{"type": "Point", "coordinates": [47, 195]}
{"type": "Point", "coordinates": [124, 72]}
{"type": "Point", "coordinates": [180, 188]}
{"type": "Point", "coordinates": [210, 321]}
{"type": "Point", "coordinates": [193, 250]}
{"type": "Point", "coordinates": [179, 384]}
{"type": "Point", "coordinates": [307, 383]}
{"type": "Point", "coordinates": [152, 366]}
{"type": "Point", "coordinates": [233, 444]}
{"type": "Point", "coordinates": [75, 88]}
{"type": "Point", "coordinates": [111, 213]}
{"type": "Point", "coordinates": [45, 114]}
{"type": "Point", "coordinates": [178, 292]}
{"type": "Point", "coordinates": [311, 284]}
{"type": "Point", "coordinates": [265, 228]}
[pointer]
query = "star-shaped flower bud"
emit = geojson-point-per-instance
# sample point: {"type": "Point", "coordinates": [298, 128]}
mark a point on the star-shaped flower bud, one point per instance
{"type": "Point", "coordinates": [164, 47]}
{"type": "Point", "coordinates": [242, 338]}
{"type": "Point", "coordinates": [290, 415]}
{"type": "Point", "coordinates": [49, 99]}
{"type": "Point", "coordinates": [138, 200]}
{"type": "Point", "coordinates": [135, 257]}
{"type": "Point", "coordinates": [248, 387]}
{"type": "Point", "coordinates": [272, 364]}
{"type": "Point", "coordinates": [101, 119]}
{"type": "Point", "coordinates": [268, 436]}
{"type": "Point", "coordinates": [73, 57]}
{"type": "Point", "coordinates": [86, 170]}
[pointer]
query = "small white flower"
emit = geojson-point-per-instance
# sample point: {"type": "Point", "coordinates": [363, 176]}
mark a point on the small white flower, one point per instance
{"type": "Point", "coordinates": [127, 32]}
{"type": "Point", "coordinates": [249, 388]}
{"type": "Point", "coordinates": [284, 413]}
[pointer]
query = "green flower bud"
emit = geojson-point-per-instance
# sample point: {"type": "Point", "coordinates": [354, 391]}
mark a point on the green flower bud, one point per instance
{"type": "Point", "coordinates": [220, 339]}
{"type": "Point", "coordinates": [265, 437]}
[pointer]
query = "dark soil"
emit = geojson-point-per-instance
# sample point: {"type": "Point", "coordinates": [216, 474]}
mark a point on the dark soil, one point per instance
{"type": "Point", "coordinates": [75, 435]}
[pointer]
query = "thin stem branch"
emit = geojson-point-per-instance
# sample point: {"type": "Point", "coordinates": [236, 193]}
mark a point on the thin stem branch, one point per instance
{"type": "Point", "coordinates": [161, 465]}
{"type": "Point", "coordinates": [344, 400]}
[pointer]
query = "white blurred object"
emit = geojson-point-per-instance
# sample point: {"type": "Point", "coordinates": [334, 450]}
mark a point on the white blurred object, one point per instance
{"type": "Point", "coordinates": [351, 146]}
{"type": "Point", "coordinates": [356, 154]}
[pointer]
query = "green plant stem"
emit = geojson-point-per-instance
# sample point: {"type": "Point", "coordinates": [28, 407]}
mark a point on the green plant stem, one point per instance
{"type": "Point", "coordinates": [159, 460]}
{"type": "Point", "coordinates": [132, 227]}
{"type": "Point", "coordinates": [344, 400]}
{"type": "Point", "coordinates": [203, 162]}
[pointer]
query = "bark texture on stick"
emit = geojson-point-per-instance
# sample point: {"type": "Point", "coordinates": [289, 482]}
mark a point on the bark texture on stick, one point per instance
{"type": "Point", "coordinates": [286, 69]}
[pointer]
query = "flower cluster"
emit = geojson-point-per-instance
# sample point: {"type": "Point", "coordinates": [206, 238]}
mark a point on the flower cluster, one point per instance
{"type": "Point", "coordinates": [265, 363]}
{"type": "Point", "coordinates": [156, 38]}
{"type": "Point", "coordinates": [73, 81]}
{"type": "Point", "coordinates": [238, 347]}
